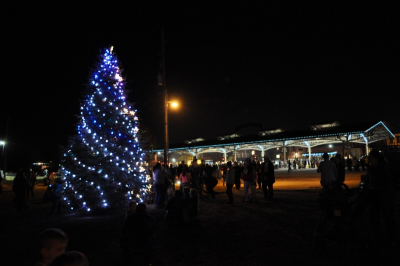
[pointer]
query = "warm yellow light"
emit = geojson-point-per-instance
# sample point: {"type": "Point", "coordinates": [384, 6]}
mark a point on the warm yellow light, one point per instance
{"type": "Point", "coordinates": [174, 104]}
{"type": "Point", "coordinates": [118, 77]}
{"type": "Point", "coordinates": [198, 161]}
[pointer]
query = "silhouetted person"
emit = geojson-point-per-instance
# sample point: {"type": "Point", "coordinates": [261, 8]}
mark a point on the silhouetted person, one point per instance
{"type": "Point", "coordinates": [132, 208]}
{"type": "Point", "coordinates": [328, 171]}
{"type": "Point", "coordinates": [249, 179]}
{"type": "Point", "coordinates": [380, 187]}
{"type": "Point", "coordinates": [172, 170]}
{"type": "Point", "coordinates": [182, 166]}
{"type": "Point", "coordinates": [52, 243]}
{"type": "Point", "coordinates": [268, 178]}
{"type": "Point", "coordinates": [195, 173]}
{"type": "Point", "coordinates": [340, 167]}
{"type": "Point", "coordinates": [258, 172]}
{"type": "Point", "coordinates": [30, 183]}
{"type": "Point", "coordinates": [20, 187]}
{"type": "Point", "coordinates": [159, 184]}
{"type": "Point", "coordinates": [230, 181]}
{"type": "Point", "coordinates": [349, 163]}
{"type": "Point", "coordinates": [138, 241]}
{"type": "Point", "coordinates": [71, 258]}
{"type": "Point", "coordinates": [238, 171]}
{"type": "Point", "coordinates": [56, 197]}
{"type": "Point", "coordinates": [362, 163]}
{"type": "Point", "coordinates": [174, 216]}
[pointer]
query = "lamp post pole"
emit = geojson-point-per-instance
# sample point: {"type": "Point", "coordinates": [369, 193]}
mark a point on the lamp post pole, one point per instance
{"type": "Point", "coordinates": [166, 147]}
{"type": "Point", "coordinates": [3, 143]}
{"type": "Point", "coordinates": [3, 155]}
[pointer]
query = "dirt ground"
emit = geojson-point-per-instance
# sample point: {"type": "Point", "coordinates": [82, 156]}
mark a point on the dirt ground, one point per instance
{"type": "Point", "coordinates": [278, 232]}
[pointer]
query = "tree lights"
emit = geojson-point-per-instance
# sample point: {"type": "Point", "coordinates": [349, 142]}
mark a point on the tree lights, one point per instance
{"type": "Point", "coordinates": [104, 164]}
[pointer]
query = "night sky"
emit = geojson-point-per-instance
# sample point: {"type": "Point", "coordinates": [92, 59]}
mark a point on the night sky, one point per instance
{"type": "Point", "coordinates": [282, 65]}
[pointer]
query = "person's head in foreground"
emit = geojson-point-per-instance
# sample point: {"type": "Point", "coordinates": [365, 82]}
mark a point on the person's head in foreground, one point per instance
{"type": "Point", "coordinates": [71, 258]}
{"type": "Point", "coordinates": [52, 243]}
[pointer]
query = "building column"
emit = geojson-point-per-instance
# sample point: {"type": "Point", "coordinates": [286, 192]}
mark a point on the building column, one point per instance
{"type": "Point", "coordinates": [284, 153]}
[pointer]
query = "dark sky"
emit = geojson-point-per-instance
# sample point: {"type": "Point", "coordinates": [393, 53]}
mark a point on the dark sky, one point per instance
{"type": "Point", "coordinates": [282, 65]}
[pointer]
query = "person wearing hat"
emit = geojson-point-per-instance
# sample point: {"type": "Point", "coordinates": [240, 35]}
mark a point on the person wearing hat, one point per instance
{"type": "Point", "coordinates": [328, 170]}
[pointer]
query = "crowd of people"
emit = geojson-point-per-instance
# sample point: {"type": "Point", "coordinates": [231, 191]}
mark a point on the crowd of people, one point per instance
{"type": "Point", "coordinates": [195, 181]}
{"type": "Point", "coordinates": [202, 179]}
{"type": "Point", "coordinates": [182, 207]}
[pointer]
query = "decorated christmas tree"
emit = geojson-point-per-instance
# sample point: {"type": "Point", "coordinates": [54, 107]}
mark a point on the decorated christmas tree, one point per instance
{"type": "Point", "coordinates": [103, 165]}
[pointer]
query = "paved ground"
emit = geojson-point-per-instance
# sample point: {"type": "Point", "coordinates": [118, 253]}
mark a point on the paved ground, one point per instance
{"type": "Point", "coordinates": [279, 232]}
{"type": "Point", "coordinates": [295, 180]}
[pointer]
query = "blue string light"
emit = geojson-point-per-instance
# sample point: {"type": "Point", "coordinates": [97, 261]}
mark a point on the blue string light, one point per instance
{"type": "Point", "coordinates": [102, 115]}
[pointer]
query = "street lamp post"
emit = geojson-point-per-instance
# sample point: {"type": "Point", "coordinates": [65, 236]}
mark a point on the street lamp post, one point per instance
{"type": "Point", "coordinates": [166, 146]}
{"type": "Point", "coordinates": [166, 102]}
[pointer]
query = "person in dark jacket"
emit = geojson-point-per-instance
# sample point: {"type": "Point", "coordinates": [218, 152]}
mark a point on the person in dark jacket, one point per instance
{"type": "Point", "coordinates": [341, 169]}
{"type": "Point", "coordinates": [56, 196]}
{"type": "Point", "coordinates": [20, 187]}
{"type": "Point", "coordinates": [196, 174]}
{"type": "Point", "coordinates": [138, 237]}
{"type": "Point", "coordinates": [210, 182]}
{"type": "Point", "coordinates": [174, 216]}
{"type": "Point", "coordinates": [30, 184]}
{"type": "Point", "coordinates": [238, 171]}
{"type": "Point", "coordinates": [349, 164]}
{"type": "Point", "coordinates": [159, 184]}
{"type": "Point", "coordinates": [268, 178]}
{"type": "Point", "coordinates": [380, 187]}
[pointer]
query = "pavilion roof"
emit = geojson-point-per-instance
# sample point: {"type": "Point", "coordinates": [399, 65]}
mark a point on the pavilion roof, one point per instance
{"type": "Point", "coordinates": [314, 136]}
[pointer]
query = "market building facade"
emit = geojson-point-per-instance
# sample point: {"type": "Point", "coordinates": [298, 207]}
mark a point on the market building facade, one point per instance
{"type": "Point", "coordinates": [281, 146]}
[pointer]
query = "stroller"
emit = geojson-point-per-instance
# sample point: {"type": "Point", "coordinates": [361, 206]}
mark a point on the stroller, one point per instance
{"type": "Point", "coordinates": [341, 207]}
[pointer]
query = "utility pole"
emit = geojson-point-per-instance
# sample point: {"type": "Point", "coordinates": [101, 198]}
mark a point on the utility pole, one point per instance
{"type": "Point", "coordinates": [4, 151]}
{"type": "Point", "coordinates": [164, 86]}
